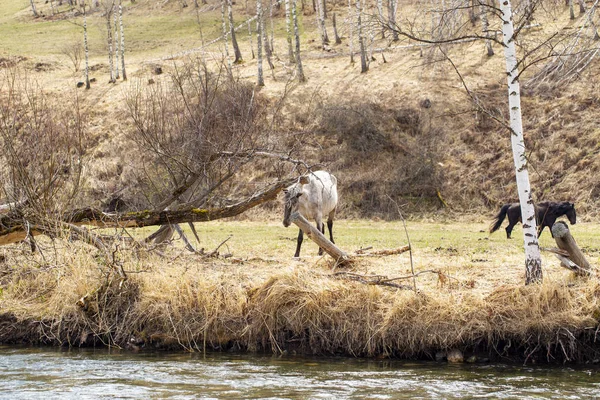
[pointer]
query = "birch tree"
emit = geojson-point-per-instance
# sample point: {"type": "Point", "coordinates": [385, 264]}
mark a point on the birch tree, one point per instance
{"type": "Point", "coordinates": [321, 23]}
{"type": "Point", "coordinates": [224, 32]}
{"type": "Point", "coordinates": [85, 47]}
{"type": "Point", "coordinates": [116, 38]}
{"type": "Point", "coordinates": [33, 9]}
{"type": "Point", "coordinates": [392, 6]}
{"type": "Point", "coordinates": [288, 31]}
{"type": "Point", "coordinates": [533, 261]}
{"type": "Point", "coordinates": [122, 37]}
{"type": "Point", "coordinates": [299, 67]}
{"type": "Point", "coordinates": [109, 38]}
{"type": "Point", "coordinates": [236, 49]}
{"type": "Point", "coordinates": [485, 27]}
{"type": "Point", "coordinates": [364, 66]}
{"type": "Point", "coordinates": [259, 35]}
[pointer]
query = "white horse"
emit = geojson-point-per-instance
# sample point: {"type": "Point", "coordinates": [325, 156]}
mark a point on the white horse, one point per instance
{"type": "Point", "coordinates": [313, 196]}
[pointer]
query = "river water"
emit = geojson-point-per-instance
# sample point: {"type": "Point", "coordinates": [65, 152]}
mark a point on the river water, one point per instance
{"type": "Point", "coordinates": [47, 373]}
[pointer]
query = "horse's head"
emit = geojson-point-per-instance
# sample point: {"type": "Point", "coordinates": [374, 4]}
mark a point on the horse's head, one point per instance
{"type": "Point", "coordinates": [570, 213]}
{"type": "Point", "coordinates": [291, 198]}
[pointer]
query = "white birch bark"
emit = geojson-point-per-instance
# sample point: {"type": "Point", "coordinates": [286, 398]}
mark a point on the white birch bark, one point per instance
{"type": "Point", "coordinates": [224, 30]}
{"type": "Point", "coordinates": [392, 11]}
{"type": "Point", "coordinates": [86, 50]}
{"type": "Point", "coordinates": [485, 26]}
{"type": "Point", "coordinates": [109, 38]}
{"type": "Point", "coordinates": [533, 261]}
{"type": "Point", "coordinates": [321, 24]}
{"type": "Point", "coordinates": [288, 30]}
{"type": "Point", "coordinates": [299, 67]}
{"type": "Point", "coordinates": [351, 29]}
{"type": "Point", "coordinates": [259, 35]}
{"type": "Point", "coordinates": [364, 67]}
{"type": "Point", "coordinates": [116, 38]}
{"type": "Point", "coordinates": [380, 17]}
{"type": "Point", "coordinates": [122, 35]}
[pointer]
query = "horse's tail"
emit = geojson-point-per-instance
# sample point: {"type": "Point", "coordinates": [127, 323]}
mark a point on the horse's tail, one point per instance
{"type": "Point", "coordinates": [498, 219]}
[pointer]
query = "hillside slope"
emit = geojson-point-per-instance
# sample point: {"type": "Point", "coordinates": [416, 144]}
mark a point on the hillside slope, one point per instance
{"type": "Point", "coordinates": [406, 129]}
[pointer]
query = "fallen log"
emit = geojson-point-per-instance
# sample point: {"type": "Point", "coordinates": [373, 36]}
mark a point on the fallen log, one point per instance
{"type": "Point", "coordinates": [340, 257]}
{"type": "Point", "coordinates": [13, 229]}
{"type": "Point", "coordinates": [574, 259]}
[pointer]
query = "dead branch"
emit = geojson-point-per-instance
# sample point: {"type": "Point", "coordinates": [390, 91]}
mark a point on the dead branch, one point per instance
{"type": "Point", "coordinates": [13, 230]}
{"type": "Point", "coordinates": [384, 252]}
{"type": "Point", "coordinates": [369, 279]}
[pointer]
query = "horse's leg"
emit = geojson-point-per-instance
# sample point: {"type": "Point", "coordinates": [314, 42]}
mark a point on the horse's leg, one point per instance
{"type": "Point", "coordinates": [509, 229]}
{"type": "Point", "coordinates": [300, 237]}
{"type": "Point", "coordinates": [321, 228]}
{"type": "Point", "coordinates": [330, 228]}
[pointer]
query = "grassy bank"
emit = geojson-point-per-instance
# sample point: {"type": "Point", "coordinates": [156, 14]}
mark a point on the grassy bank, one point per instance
{"type": "Point", "coordinates": [255, 297]}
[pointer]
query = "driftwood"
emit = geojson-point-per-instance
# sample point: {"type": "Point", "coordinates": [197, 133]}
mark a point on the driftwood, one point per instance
{"type": "Point", "coordinates": [313, 234]}
{"type": "Point", "coordinates": [13, 228]}
{"type": "Point", "coordinates": [571, 256]}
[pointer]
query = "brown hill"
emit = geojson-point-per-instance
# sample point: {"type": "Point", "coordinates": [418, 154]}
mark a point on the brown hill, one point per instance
{"type": "Point", "coordinates": [406, 130]}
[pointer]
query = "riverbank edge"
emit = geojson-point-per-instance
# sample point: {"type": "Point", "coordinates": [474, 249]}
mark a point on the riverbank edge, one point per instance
{"type": "Point", "coordinates": [295, 314]}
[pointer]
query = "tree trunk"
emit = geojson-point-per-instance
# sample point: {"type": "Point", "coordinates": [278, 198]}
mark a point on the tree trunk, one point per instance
{"type": "Point", "coordinates": [321, 24]}
{"type": "Point", "coordinates": [33, 9]}
{"type": "Point", "coordinates": [485, 26]}
{"type": "Point", "coordinates": [581, 6]}
{"type": "Point", "coordinates": [122, 34]}
{"type": "Point", "coordinates": [364, 66]}
{"type": "Point", "coordinates": [380, 17]}
{"type": "Point", "coordinates": [234, 43]}
{"type": "Point", "coordinates": [299, 68]}
{"type": "Point", "coordinates": [12, 226]}
{"type": "Point", "coordinates": [576, 261]}
{"type": "Point", "coordinates": [259, 35]}
{"type": "Point", "coordinates": [116, 39]}
{"type": "Point", "coordinates": [250, 39]}
{"type": "Point", "coordinates": [338, 40]}
{"type": "Point", "coordinates": [533, 261]}
{"type": "Point", "coordinates": [268, 50]}
{"type": "Point", "coordinates": [288, 30]}
{"type": "Point", "coordinates": [224, 31]}
{"type": "Point", "coordinates": [86, 50]}
{"type": "Point", "coordinates": [313, 233]}
{"type": "Point", "coordinates": [571, 10]}
{"type": "Point", "coordinates": [351, 29]}
{"type": "Point", "coordinates": [392, 11]}
{"type": "Point", "coordinates": [109, 37]}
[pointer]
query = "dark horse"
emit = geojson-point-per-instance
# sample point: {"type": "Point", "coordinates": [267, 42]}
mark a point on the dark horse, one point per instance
{"type": "Point", "coordinates": [546, 213]}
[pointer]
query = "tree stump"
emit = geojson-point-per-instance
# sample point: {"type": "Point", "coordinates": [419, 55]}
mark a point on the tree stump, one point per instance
{"type": "Point", "coordinates": [575, 261]}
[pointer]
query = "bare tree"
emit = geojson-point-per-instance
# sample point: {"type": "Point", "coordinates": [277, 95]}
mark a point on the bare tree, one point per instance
{"type": "Point", "coordinates": [234, 43]}
{"type": "Point", "coordinates": [533, 260]}
{"type": "Point", "coordinates": [299, 67]}
{"type": "Point", "coordinates": [33, 9]}
{"type": "Point", "coordinates": [109, 38]}
{"type": "Point", "coordinates": [288, 30]}
{"type": "Point", "coordinates": [321, 23]}
{"type": "Point", "coordinates": [485, 26]}
{"type": "Point", "coordinates": [85, 46]}
{"type": "Point", "coordinates": [338, 40]}
{"type": "Point", "coordinates": [122, 35]}
{"type": "Point", "coordinates": [259, 41]}
{"type": "Point", "coordinates": [392, 6]}
{"type": "Point", "coordinates": [116, 38]}
{"type": "Point", "coordinates": [364, 66]}
{"type": "Point", "coordinates": [224, 32]}
{"type": "Point", "coordinates": [74, 51]}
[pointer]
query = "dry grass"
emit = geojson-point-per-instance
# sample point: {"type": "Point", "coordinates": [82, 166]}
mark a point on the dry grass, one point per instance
{"type": "Point", "coordinates": [261, 300]}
